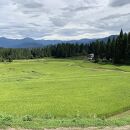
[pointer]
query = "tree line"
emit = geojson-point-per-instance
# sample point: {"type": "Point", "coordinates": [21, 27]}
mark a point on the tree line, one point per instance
{"type": "Point", "coordinates": [116, 50]}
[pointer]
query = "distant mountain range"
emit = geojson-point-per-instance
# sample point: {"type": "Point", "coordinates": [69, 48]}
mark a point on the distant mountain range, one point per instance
{"type": "Point", "coordinates": [31, 43]}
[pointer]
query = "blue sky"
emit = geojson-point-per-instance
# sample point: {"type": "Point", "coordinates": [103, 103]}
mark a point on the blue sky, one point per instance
{"type": "Point", "coordinates": [63, 19]}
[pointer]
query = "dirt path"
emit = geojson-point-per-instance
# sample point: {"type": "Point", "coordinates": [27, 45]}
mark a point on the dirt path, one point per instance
{"type": "Point", "coordinates": [94, 128]}
{"type": "Point", "coordinates": [91, 128]}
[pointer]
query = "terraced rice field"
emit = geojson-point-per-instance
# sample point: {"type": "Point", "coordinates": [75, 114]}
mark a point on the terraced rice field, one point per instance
{"type": "Point", "coordinates": [63, 88]}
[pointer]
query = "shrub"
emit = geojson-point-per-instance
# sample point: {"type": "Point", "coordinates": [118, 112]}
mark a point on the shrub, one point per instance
{"type": "Point", "coordinates": [10, 59]}
{"type": "Point", "coordinates": [27, 118]}
{"type": "Point", "coordinates": [96, 60]}
{"type": "Point", "coordinates": [1, 59]}
{"type": "Point", "coordinates": [6, 118]}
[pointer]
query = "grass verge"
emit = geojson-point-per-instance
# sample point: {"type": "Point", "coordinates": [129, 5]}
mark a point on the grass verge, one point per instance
{"type": "Point", "coordinates": [30, 122]}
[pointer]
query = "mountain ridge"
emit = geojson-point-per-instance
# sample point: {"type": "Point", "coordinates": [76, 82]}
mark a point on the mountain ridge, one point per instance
{"type": "Point", "coordinates": [31, 43]}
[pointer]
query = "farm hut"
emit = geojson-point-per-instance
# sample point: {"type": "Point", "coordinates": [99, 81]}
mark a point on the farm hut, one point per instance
{"type": "Point", "coordinates": [91, 56]}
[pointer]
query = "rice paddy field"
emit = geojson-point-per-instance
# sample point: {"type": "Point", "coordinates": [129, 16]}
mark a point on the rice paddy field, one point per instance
{"type": "Point", "coordinates": [63, 88]}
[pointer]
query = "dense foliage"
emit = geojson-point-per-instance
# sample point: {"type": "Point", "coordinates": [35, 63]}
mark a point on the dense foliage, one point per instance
{"type": "Point", "coordinates": [116, 50]}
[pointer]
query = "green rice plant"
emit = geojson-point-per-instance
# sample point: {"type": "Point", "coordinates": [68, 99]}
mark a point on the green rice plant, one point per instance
{"type": "Point", "coordinates": [63, 88]}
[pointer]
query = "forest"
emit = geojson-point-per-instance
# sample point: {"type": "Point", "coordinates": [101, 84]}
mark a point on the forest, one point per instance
{"type": "Point", "coordinates": [116, 50]}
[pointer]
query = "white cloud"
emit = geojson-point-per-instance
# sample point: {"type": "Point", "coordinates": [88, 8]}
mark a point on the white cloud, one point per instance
{"type": "Point", "coordinates": [63, 19]}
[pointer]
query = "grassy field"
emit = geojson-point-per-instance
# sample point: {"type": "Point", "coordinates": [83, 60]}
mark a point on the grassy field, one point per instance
{"type": "Point", "coordinates": [59, 88]}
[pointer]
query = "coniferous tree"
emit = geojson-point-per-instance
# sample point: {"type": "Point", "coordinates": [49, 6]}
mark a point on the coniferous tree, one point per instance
{"type": "Point", "coordinates": [124, 47]}
{"type": "Point", "coordinates": [128, 48]}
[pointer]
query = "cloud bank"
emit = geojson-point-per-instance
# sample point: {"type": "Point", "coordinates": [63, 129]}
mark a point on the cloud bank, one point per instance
{"type": "Point", "coordinates": [63, 19]}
